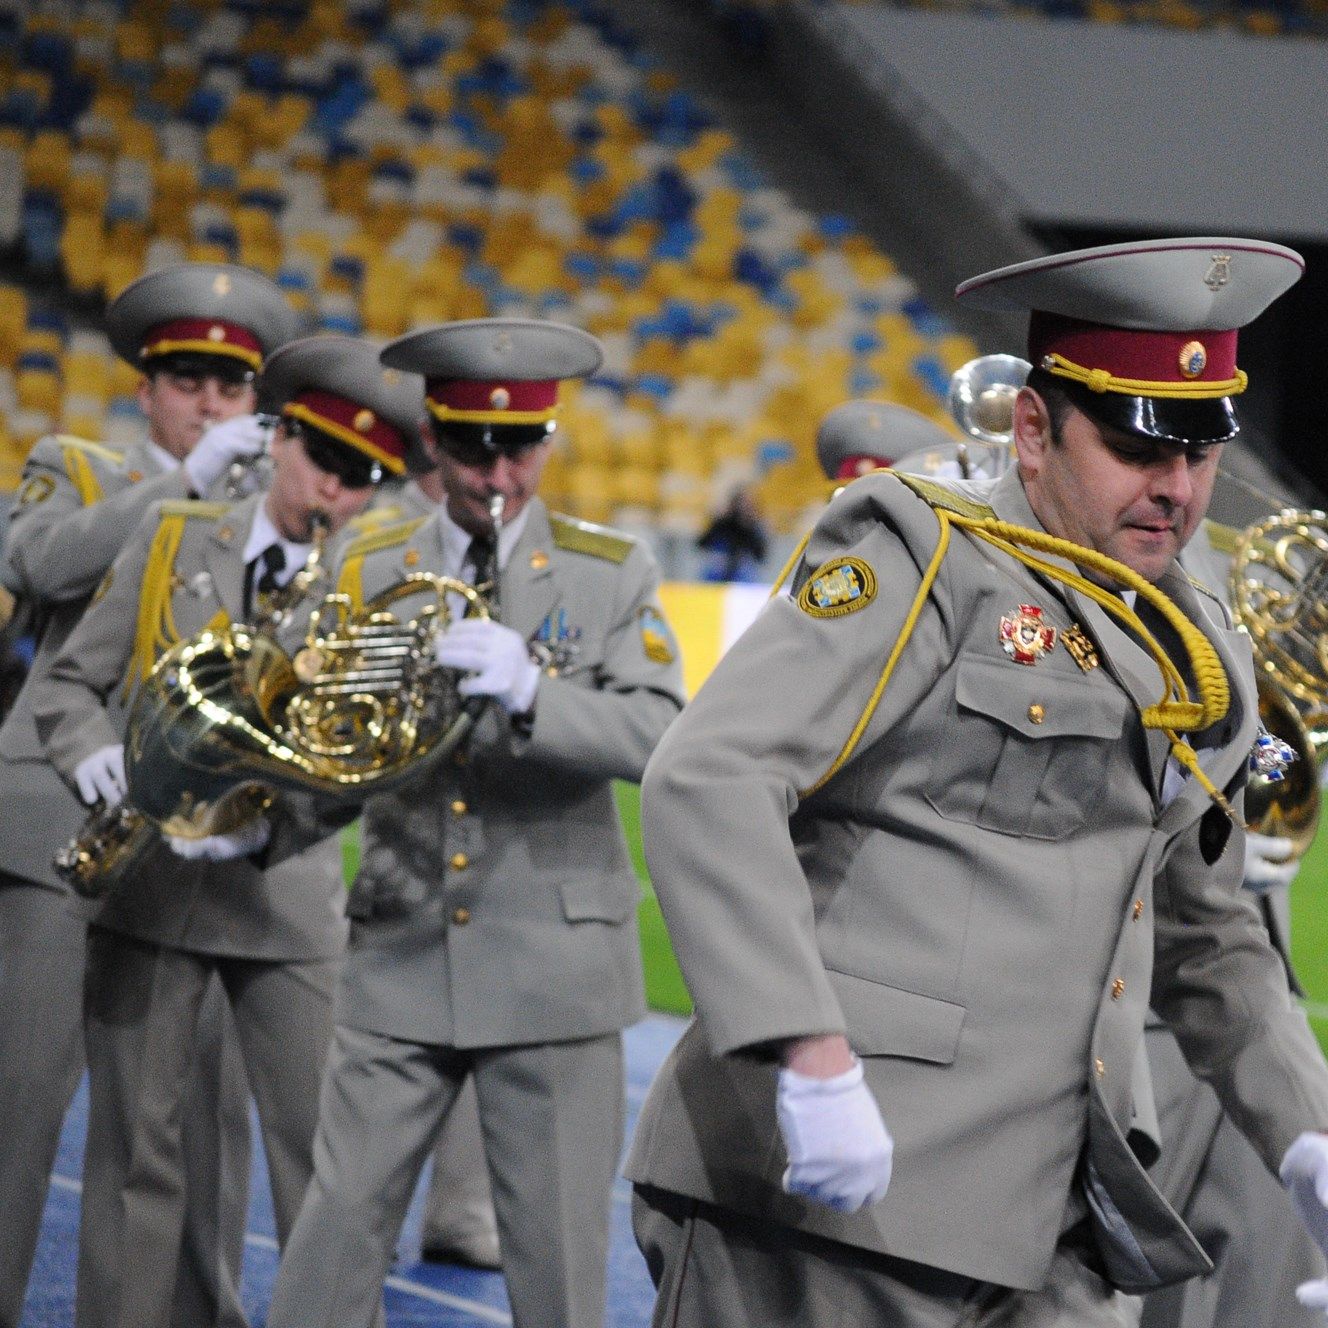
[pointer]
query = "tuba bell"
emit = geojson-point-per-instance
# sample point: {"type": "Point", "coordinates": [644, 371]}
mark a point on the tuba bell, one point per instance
{"type": "Point", "coordinates": [981, 402]}
{"type": "Point", "coordinates": [1279, 597]}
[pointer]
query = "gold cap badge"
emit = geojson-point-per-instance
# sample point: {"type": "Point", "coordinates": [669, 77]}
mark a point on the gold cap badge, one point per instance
{"type": "Point", "coordinates": [1193, 357]}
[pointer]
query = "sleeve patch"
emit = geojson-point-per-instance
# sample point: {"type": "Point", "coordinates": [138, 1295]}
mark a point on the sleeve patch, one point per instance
{"type": "Point", "coordinates": [840, 586]}
{"type": "Point", "coordinates": [657, 636]}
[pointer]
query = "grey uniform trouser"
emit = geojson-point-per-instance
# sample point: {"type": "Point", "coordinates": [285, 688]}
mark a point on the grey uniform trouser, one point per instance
{"type": "Point", "coordinates": [42, 946]}
{"type": "Point", "coordinates": [552, 1120]}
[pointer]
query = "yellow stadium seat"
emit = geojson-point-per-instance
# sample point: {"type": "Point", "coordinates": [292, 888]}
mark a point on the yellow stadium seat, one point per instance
{"type": "Point", "coordinates": [88, 374]}
{"type": "Point", "coordinates": [635, 486]}
{"type": "Point", "coordinates": [83, 253]}
{"type": "Point", "coordinates": [46, 162]}
{"type": "Point", "coordinates": [590, 493]}
{"type": "Point", "coordinates": [38, 389]}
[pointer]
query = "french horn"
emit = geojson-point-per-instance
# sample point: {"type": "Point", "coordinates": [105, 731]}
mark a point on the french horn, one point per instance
{"type": "Point", "coordinates": [1279, 596]}
{"type": "Point", "coordinates": [228, 719]}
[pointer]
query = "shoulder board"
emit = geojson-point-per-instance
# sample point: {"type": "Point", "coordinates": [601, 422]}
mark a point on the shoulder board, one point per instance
{"type": "Point", "coordinates": [375, 518]}
{"type": "Point", "coordinates": [99, 450]}
{"type": "Point", "coordinates": [1223, 538]}
{"type": "Point", "coordinates": [938, 495]}
{"type": "Point", "coordinates": [385, 537]}
{"type": "Point", "coordinates": [585, 537]}
{"type": "Point", "coordinates": [202, 508]}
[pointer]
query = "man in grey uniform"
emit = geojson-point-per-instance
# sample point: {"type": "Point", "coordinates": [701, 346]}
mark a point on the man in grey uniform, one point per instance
{"type": "Point", "coordinates": [494, 914]}
{"type": "Point", "coordinates": [937, 827]}
{"type": "Point", "coordinates": [1207, 1169]}
{"type": "Point", "coordinates": [459, 1224]}
{"type": "Point", "coordinates": [77, 505]}
{"type": "Point", "coordinates": [198, 909]}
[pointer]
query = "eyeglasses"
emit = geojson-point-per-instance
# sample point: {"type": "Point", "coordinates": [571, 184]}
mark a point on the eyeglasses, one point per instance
{"type": "Point", "coordinates": [355, 471]}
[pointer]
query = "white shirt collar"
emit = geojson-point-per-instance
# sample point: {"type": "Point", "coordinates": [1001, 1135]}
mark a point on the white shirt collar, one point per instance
{"type": "Point", "coordinates": [164, 458]}
{"type": "Point", "coordinates": [456, 541]}
{"type": "Point", "coordinates": [263, 534]}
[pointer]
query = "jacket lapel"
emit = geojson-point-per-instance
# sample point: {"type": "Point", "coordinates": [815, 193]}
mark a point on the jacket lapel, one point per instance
{"type": "Point", "coordinates": [223, 555]}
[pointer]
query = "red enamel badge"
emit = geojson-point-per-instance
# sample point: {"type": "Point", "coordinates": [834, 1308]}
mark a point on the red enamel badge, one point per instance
{"type": "Point", "coordinates": [1024, 636]}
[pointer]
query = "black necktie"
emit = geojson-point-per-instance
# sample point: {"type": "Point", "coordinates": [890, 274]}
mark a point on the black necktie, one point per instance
{"type": "Point", "coordinates": [482, 556]}
{"type": "Point", "coordinates": [264, 581]}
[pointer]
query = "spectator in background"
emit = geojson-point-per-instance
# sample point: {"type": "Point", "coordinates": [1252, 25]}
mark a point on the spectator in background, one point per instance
{"type": "Point", "coordinates": [736, 541]}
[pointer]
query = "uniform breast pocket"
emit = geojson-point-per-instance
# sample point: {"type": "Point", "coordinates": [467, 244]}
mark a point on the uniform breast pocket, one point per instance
{"type": "Point", "coordinates": [1030, 748]}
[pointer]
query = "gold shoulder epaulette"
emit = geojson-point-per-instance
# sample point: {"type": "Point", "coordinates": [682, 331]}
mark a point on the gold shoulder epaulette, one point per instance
{"type": "Point", "coordinates": [208, 508]}
{"type": "Point", "coordinates": [585, 537]}
{"type": "Point", "coordinates": [1223, 538]}
{"type": "Point", "coordinates": [938, 495]}
{"type": "Point", "coordinates": [99, 450]}
{"type": "Point", "coordinates": [383, 537]}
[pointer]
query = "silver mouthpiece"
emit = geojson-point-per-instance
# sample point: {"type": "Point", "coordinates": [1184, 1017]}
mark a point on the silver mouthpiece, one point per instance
{"type": "Point", "coordinates": [496, 505]}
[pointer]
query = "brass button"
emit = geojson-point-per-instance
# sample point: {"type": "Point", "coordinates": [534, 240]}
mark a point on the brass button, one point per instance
{"type": "Point", "coordinates": [1036, 713]}
{"type": "Point", "coordinates": [459, 862]}
{"type": "Point", "coordinates": [1138, 910]}
{"type": "Point", "coordinates": [461, 916]}
{"type": "Point", "coordinates": [1117, 988]}
{"type": "Point", "coordinates": [458, 808]}
{"type": "Point", "coordinates": [1099, 1067]}
{"type": "Point", "coordinates": [461, 757]}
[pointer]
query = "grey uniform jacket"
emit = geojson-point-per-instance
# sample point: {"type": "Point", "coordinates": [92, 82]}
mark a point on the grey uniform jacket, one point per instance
{"type": "Point", "coordinates": [292, 911]}
{"type": "Point", "coordinates": [981, 898]}
{"type": "Point", "coordinates": [496, 903]}
{"type": "Point", "coordinates": [77, 506]}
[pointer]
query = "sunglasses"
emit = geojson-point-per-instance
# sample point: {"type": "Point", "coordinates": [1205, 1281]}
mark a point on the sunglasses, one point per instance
{"type": "Point", "coordinates": [354, 470]}
{"type": "Point", "coordinates": [481, 445]}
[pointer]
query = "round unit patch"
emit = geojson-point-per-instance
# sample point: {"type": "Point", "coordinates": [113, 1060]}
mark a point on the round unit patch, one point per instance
{"type": "Point", "coordinates": [840, 586]}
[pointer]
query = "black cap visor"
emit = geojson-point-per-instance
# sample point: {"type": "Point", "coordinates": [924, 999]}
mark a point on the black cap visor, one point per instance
{"type": "Point", "coordinates": [1199, 422]}
{"type": "Point", "coordinates": [199, 364]}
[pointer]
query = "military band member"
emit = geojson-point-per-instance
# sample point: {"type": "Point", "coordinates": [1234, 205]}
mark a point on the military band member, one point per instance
{"type": "Point", "coordinates": [862, 436]}
{"type": "Point", "coordinates": [1205, 1166]}
{"type": "Point", "coordinates": [198, 333]}
{"type": "Point", "coordinates": [936, 828]}
{"type": "Point", "coordinates": [199, 908]}
{"type": "Point", "coordinates": [459, 1224]}
{"type": "Point", "coordinates": [493, 928]}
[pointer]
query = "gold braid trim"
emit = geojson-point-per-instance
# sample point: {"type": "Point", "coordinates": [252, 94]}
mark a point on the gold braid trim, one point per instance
{"type": "Point", "coordinates": [82, 476]}
{"type": "Point", "coordinates": [156, 624]}
{"type": "Point", "coordinates": [1173, 714]}
{"type": "Point", "coordinates": [156, 631]}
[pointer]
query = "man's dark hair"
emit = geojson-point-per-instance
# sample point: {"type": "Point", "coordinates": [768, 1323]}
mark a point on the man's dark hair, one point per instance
{"type": "Point", "coordinates": [1058, 398]}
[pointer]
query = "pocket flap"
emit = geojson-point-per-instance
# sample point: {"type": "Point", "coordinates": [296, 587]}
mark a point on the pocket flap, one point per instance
{"type": "Point", "coordinates": [598, 898]}
{"type": "Point", "coordinates": [889, 1021]}
{"type": "Point", "coordinates": [1039, 703]}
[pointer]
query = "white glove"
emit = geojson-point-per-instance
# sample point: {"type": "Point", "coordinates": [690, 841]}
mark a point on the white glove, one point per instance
{"type": "Point", "coordinates": [102, 775]}
{"type": "Point", "coordinates": [1304, 1172]}
{"type": "Point", "coordinates": [240, 436]}
{"type": "Point", "coordinates": [838, 1147]}
{"type": "Point", "coordinates": [497, 659]}
{"type": "Point", "coordinates": [1265, 862]}
{"type": "Point", "coordinates": [238, 843]}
